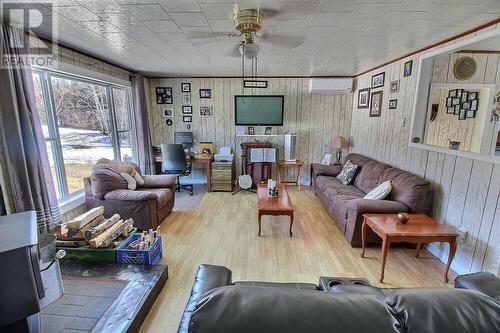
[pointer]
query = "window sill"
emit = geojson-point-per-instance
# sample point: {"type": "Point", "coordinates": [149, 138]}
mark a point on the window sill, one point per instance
{"type": "Point", "coordinates": [73, 201]}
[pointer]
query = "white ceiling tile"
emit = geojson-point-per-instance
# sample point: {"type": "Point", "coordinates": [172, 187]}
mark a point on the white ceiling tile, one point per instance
{"type": "Point", "coordinates": [122, 20]}
{"type": "Point", "coordinates": [181, 6]}
{"type": "Point", "coordinates": [145, 12]}
{"type": "Point", "coordinates": [287, 26]}
{"type": "Point", "coordinates": [102, 6]}
{"type": "Point", "coordinates": [189, 19]}
{"type": "Point", "coordinates": [197, 32]}
{"type": "Point", "coordinates": [100, 27]}
{"type": "Point", "coordinates": [222, 26]}
{"type": "Point", "coordinates": [218, 10]}
{"type": "Point", "coordinates": [162, 26]}
{"type": "Point", "coordinates": [339, 5]}
{"type": "Point", "coordinates": [78, 13]}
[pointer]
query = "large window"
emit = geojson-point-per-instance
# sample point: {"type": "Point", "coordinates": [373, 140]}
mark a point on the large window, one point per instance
{"type": "Point", "coordinates": [83, 120]}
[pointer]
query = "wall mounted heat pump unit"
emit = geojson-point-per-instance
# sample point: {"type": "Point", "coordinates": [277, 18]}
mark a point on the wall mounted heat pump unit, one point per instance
{"type": "Point", "coordinates": [322, 85]}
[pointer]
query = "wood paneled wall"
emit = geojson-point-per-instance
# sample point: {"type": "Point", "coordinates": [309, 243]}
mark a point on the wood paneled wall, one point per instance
{"type": "Point", "coordinates": [315, 117]}
{"type": "Point", "coordinates": [466, 190]}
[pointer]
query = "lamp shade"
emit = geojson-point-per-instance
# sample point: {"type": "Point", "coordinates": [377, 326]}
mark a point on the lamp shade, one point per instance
{"type": "Point", "coordinates": [340, 142]}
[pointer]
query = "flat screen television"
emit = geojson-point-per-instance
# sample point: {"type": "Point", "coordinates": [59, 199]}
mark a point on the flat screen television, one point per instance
{"type": "Point", "coordinates": [258, 110]}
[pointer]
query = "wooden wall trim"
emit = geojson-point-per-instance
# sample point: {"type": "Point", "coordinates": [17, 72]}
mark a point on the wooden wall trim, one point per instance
{"type": "Point", "coordinates": [479, 51]}
{"type": "Point", "coordinates": [254, 78]}
{"type": "Point", "coordinates": [444, 41]}
{"type": "Point", "coordinates": [73, 49]}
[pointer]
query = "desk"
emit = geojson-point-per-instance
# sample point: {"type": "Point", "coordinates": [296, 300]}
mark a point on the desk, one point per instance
{"type": "Point", "coordinates": [205, 159]}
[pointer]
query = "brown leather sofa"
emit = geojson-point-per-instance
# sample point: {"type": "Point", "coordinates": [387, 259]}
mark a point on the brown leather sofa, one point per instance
{"type": "Point", "coordinates": [345, 203]}
{"type": "Point", "coordinates": [342, 305]}
{"type": "Point", "coordinates": [148, 205]}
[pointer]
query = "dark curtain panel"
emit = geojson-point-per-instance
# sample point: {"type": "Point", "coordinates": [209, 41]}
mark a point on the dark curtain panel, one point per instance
{"type": "Point", "coordinates": [144, 149]}
{"type": "Point", "coordinates": [28, 181]}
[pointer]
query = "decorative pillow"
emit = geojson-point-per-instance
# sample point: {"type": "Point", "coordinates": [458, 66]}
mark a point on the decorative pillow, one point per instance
{"type": "Point", "coordinates": [347, 173]}
{"type": "Point", "coordinates": [379, 192]}
{"type": "Point", "coordinates": [138, 178]}
{"type": "Point", "coordinates": [131, 183]}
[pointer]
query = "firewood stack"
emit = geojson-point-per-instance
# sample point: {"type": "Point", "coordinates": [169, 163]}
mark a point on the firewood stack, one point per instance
{"type": "Point", "coordinates": [93, 230]}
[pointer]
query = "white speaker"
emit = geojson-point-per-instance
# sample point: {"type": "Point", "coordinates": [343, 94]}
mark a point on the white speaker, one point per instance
{"type": "Point", "coordinates": [290, 145]}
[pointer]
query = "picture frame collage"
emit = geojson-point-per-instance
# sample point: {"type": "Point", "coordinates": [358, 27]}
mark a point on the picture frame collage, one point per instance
{"type": "Point", "coordinates": [462, 103]}
{"type": "Point", "coordinates": [369, 98]}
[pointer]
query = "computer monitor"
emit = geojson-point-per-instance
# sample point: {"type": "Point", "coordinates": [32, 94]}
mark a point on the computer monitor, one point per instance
{"type": "Point", "coordinates": [184, 138]}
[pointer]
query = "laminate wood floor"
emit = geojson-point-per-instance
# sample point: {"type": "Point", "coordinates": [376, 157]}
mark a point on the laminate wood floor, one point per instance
{"type": "Point", "coordinates": [222, 230]}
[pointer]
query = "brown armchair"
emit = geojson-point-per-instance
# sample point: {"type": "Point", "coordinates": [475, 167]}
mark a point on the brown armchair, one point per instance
{"type": "Point", "coordinates": [148, 205]}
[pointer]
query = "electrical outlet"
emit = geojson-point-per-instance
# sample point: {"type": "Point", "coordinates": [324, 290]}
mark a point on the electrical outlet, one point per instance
{"type": "Point", "coordinates": [462, 234]}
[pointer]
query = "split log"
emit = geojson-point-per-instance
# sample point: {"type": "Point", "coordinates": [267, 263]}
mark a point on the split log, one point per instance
{"type": "Point", "coordinates": [94, 231]}
{"type": "Point", "coordinates": [79, 233]}
{"type": "Point", "coordinates": [79, 221]}
{"type": "Point", "coordinates": [61, 243]}
{"type": "Point", "coordinates": [108, 236]}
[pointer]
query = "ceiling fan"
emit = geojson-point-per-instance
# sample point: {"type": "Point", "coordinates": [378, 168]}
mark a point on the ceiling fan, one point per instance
{"type": "Point", "coordinates": [248, 22]}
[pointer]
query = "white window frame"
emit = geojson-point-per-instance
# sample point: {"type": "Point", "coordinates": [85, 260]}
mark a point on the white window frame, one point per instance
{"type": "Point", "coordinates": [68, 201]}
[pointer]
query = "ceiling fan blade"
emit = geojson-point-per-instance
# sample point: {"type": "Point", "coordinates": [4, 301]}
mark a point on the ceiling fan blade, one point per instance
{"type": "Point", "coordinates": [282, 39]}
{"type": "Point", "coordinates": [234, 51]}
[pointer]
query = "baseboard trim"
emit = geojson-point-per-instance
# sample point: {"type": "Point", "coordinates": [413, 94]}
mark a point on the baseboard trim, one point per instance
{"type": "Point", "coordinates": [443, 256]}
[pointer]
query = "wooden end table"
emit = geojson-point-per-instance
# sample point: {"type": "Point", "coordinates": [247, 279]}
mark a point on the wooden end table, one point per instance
{"type": "Point", "coordinates": [283, 165]}
{"type": "Point", "coordinates": [274, 206]}
{"type": "Point", "coordinates": [420, 229]}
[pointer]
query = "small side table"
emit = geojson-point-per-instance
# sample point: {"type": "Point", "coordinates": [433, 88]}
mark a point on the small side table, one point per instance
{"type": "Point", "coordinates": [283, 165]}
{"type": "Point", "coordinates": [419, 230]}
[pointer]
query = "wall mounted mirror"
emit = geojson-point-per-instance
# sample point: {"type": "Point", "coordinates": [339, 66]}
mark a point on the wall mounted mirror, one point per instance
{"type": "Point", "coordinates": [457, 100]}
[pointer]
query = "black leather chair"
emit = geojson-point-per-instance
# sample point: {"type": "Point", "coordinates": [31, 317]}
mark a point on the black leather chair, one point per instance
{"type": "Point", "coordinates": [174, 163]}
{"type": "Point", "coordinates": [218, 305]}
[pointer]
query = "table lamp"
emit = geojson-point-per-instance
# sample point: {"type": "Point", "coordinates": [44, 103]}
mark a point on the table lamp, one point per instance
{"type": "Point", "coordinates": [340, 143]}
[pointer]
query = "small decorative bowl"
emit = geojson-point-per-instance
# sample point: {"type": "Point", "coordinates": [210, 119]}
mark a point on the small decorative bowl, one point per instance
{"type": "Point", "coordinates": [403, 217]}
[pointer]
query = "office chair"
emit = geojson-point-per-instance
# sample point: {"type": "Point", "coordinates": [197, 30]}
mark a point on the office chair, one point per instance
{"type": "Point", "coordinates": [174, 163]}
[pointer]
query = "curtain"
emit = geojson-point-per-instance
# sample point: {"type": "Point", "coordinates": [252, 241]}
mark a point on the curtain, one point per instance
{"type": "Point", "coordinates": [23, 155]}
{"type": "Point", "coordinates": [144, 148]}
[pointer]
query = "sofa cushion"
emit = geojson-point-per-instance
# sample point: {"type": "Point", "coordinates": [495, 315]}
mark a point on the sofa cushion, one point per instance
{"type": "Point", "coordinates": [106, 180]}
{"type": "Point", "coordinates": [349, 190]}
{"type": "Point", "coordinates": [369, 176]}
{"type": "Point", "coordinates": [347, 174]}
{"type": "Point", "coordinates": [340, 203]}
{"type": "Point", "coordinates": [412, 190]}
{"type": "Point", "coordinates": [325, 182]}
{"type": "Point", "coordinates": [357, 159]}
{"type": "Point", "coordinates": [379, 192]}
{"type": "Point", "coordinates": [164, 195]}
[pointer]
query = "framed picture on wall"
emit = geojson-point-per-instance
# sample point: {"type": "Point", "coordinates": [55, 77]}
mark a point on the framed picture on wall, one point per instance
{"type": "Point", "coordinates": [187, 109]}
{"type": "Point", "coordinates": [474, 104]}
{"type": "Point", "coordinates": [186, 99]}
{"type": "Point", "coordinates": [449, 101]}
{"type": "Point", "coordinates": [407, 68]}
{"type": "Point", "coordinates": [376, 103]}
{"type": "Point", "coordinates": [363, 98]}
{"type": "Point", "coordinates": [205, 93]}
{"type": "Point", "coordinates": [457, 110]}
{"type": "Point", "coordinates": [168, 113]}
{"type": "Point", "coordinates": [250, 130]}
{"type": "Point", "coordinates": [462, 115]}
{"type": "Point", "coordinates": [465, 96]}
{"type": "Point", "coordinates": [394, 86]}
{"type": "Point", "coordinates": [470, 114]}
{"type": "Point", "coordinates": [452, 93]}
{"type": "Point", "coordinates": [187, 119]}
{"type": "Point", "coordinates": [205, 111]}
{"type": "Point", "coordinates": [378, 80]}
{"type": "Point", "coordinates": [450, 110]}
{"type": "Point", "coordinates": [163, 95]}
{"type": "Point", "coordinates": [186, 87]}
{"type": "Point", "coordinates": [472, 94]}
{"type": "Point", "coordinates": [393, 104]}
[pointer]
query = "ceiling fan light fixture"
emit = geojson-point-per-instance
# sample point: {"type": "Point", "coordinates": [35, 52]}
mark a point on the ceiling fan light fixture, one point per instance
{"type": "Point", "coordinates": [251, 50]}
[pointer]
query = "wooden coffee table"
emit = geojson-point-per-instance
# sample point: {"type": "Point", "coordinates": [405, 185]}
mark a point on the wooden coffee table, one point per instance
{"type": "Point", "coordinates": [274, 206]}
{"type": "Point", "coordinates": [420, 229]}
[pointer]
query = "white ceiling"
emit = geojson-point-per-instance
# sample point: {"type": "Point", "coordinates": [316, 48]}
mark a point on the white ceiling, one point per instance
{"type": "Point", "coordinates": [191, 37]}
